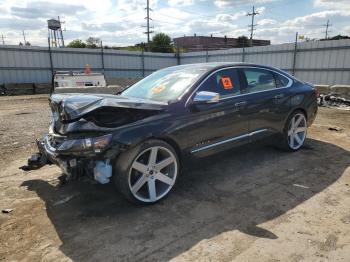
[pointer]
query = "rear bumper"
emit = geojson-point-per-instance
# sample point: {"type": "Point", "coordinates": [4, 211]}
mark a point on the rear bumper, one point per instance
{"type": "Point", "coordinates": [311, 114]}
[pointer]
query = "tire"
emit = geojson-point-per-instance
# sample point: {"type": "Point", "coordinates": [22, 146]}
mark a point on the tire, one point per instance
{"type": "Point", "coordinates": [146, 173]}
{"type": "Point", "coordinates": [291, 140]}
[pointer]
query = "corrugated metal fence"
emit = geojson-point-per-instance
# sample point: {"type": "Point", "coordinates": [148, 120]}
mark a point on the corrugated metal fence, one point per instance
{"type": "Point", "coordinates": [32, 64]}
{"type": "Point", "coordinates": [320, 62]}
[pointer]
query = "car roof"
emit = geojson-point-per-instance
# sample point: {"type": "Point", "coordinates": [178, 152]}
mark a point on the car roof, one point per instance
{"type": "Point", "coordinates": [217, 65]}
{"type": "Point", "coordinates": [212, 66]}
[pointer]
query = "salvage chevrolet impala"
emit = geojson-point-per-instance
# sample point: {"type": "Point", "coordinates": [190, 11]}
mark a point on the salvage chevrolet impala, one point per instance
{"type": "Point", "coordinates": [140, 138]}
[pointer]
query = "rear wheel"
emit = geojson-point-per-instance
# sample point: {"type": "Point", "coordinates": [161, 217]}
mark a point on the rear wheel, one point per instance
{"type": "Point", "coordinates": [148, 172]}
{"type": "Point", "coordinates": [294, 132]}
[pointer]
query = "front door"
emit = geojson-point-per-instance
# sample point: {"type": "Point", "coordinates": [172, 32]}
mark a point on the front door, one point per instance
{"type": "Point", "coordinates": [219, 126]}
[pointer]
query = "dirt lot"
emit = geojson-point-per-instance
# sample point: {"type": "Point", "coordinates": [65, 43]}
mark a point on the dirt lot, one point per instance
{"type": "Point", "coordinates": [253, 204]}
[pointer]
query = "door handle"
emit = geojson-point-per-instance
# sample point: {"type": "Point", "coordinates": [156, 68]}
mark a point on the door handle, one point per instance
{"type": "Point", "coordinates": [279, 96]}
{"type": "Point", "coordinates": [240, 103]}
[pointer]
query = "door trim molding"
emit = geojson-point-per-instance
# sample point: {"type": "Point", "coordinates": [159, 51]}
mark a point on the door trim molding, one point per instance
{"type": "Point", "coordinates": [228, 140]}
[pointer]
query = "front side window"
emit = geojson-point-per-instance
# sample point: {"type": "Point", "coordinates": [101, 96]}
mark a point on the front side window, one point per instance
{"type": "Point", "coordinates": [256, 80]}
{"type": "Point", "coordinates": [224, 82]}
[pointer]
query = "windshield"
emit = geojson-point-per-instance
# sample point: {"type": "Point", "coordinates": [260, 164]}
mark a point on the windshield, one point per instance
{"type": "Point", "coordinates": [166, 84]}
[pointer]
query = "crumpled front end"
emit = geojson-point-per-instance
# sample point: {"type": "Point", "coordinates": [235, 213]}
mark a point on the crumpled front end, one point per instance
{"type": "Point", "coordinates": [83, 136]}
{"type": "Point", "coordinates": [90, 156]}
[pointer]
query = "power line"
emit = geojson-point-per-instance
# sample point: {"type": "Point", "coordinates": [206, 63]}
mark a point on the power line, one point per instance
{"type": "Point", "coordinates": [327, 29]}
{"type": "Point", "coordinates": [206, 15]}
{"type": "Point", "coordinates": [148, 32]}
{"type": "Point", "coordinates": [164, 22]}
{"type": "Point", "coordinates": [252, 26]}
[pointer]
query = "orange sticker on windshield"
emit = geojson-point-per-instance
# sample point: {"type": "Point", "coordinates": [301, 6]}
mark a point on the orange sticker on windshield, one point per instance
{"type": "Point", "coordinates": [158, 89]}
{"type": "Point", "coordinates": [226, 82]}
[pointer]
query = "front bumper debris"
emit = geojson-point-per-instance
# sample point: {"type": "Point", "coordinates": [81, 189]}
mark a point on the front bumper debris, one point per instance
{"type": "Point", "coordinates": [95, 165]}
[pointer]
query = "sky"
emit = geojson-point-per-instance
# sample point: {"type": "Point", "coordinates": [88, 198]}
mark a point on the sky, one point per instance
{"type": "Point", "coordinates": [120, 22]}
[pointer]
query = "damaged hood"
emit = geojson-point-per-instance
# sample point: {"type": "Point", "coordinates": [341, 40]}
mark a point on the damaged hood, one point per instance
{"type": "Point", "coordinates": [71, 107]}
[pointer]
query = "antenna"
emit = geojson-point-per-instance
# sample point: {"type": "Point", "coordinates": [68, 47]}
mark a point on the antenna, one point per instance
{"type": "Point", "coordinates": [3, 39]}
{"type": "Point", "coordinates": [252, 26]}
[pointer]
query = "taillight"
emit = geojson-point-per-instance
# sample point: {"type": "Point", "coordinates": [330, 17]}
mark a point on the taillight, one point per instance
{"type": "Point", "coordinates": [317, 93]}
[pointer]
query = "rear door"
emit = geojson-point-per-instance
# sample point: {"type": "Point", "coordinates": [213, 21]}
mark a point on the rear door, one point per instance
{"type": "Point", "coordinates": [219, 126]}
{"type": "Point", "coordinates": [267, 95]}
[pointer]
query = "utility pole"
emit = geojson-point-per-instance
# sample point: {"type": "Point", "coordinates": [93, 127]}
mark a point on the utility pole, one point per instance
{"type": "Point", "coordinates": [327, 28]}
{"type": "Point", "coordinates": [102, 59]}
{"type": "Point", "coordinates": [24, 38]}
{"type": "Point", "coordinates": [252, 14]}
{"type": "Point", "coordinates": [295, 53]}
{"type": "Point", "coordinates": [148, 32]}
{"type": "Point", "coordinates": [3, 40]}
{"type": "Point", "coordinates": [51, 66]}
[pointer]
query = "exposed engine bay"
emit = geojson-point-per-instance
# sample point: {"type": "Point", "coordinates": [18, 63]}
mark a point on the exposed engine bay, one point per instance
{"type": "Point", "coordinates": [81, 138]}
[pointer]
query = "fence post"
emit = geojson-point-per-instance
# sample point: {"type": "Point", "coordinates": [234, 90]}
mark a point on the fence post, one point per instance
{"type": "Point", "coordinates": [177, 55]}
{"type": "Point", "coordinates": [295, 53]}
{"type": "Point", "coordinates": [102, 59]}
{"type": "Point", "coordinates": [51, 67]}
{"type": "Point", "coordinates": [143, 62]}
{"type": "Point", "coordinates": [243, 53]}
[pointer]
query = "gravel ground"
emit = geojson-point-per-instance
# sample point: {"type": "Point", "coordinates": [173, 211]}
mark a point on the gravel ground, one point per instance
{"type": "Point", "coordinates": [252, 204]}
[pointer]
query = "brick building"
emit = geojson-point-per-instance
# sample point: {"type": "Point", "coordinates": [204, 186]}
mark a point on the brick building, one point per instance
{"type": "Point", "coordinates": [202, 43]}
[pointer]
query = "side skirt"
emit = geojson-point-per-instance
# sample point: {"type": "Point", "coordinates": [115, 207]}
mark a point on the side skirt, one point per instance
{"type": "Point", "coordinates": [229, 140]}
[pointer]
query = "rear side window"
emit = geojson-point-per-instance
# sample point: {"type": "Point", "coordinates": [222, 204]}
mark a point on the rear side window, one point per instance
{"type": "Point", "coordinates": [281, 81]}
{"type": "Point", "coordinates": [255, 80]}
{"type": "Point", "coordinates": [225, 82]}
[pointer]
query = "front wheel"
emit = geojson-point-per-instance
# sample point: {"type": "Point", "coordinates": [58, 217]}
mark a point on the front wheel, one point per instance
{"type": "Point", "coordinates": [294, 132]}
{"type": "Point", "coordinates": [148, 172]}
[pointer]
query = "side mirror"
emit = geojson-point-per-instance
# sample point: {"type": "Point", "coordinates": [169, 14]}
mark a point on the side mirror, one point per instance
{"type": "Point", "coordinates": [206, 97]}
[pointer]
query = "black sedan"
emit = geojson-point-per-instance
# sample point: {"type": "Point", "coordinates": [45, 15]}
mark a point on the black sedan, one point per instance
{"type": "Point", "coordinates": [141, 137]}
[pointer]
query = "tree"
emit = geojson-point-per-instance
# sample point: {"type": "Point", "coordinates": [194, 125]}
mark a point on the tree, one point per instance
{"type": "Point", "coordinates": [77, 43]}
{"type": "Point", "coordinates": [93, 42]}
{"type": "Point", "coordinates": [161, 43]}
{"type": "Point", "coordinates": [243, 41]}
{"type": "Point", "coordinates": [338, 37]}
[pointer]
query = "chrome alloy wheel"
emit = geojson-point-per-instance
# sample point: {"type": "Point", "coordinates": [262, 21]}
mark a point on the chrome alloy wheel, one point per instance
{"type": "Point", "coordinates": [297, 131]}
{"type": "Point", "coordinates": [152, 174]}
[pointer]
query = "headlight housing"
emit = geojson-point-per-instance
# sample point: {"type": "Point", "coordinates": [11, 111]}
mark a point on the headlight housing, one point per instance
{"type": "Point", "coordinates": [93, 144]}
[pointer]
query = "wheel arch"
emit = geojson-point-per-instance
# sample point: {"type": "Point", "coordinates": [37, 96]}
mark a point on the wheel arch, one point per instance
{"type": "Point", "coordinates": [303, 110]}
{"type": "Point", "coordinates": [174, 145]}
{"type": "Point", "coordinates": [172, 142]}
{"type": "Point", "coordinates": [300, 109]}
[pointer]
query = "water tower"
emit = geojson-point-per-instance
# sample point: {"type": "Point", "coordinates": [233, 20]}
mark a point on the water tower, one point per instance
{"type": "Point", "coordinates": [55, 32]}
